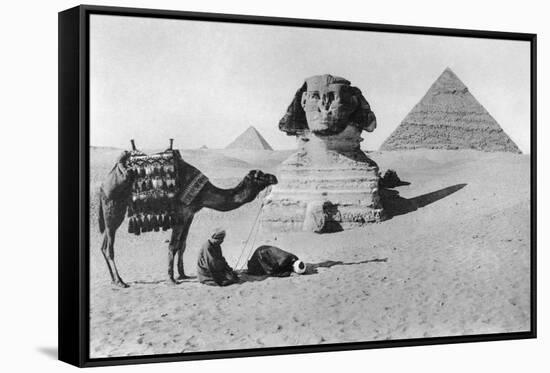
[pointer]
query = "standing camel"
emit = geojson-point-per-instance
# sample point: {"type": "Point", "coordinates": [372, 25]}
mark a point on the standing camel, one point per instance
{"type": "Point", "coordinates": [113, 210]}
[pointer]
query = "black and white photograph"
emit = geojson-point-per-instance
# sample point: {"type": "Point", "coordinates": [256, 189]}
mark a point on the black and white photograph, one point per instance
{"type": "Point", "coordinates": [257, 186]}
{"type": "Point", "coordinates": [275, 186]}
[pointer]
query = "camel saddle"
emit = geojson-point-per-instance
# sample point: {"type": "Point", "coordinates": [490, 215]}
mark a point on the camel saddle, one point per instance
{"type": "Point", "coordinates": [160, 183]}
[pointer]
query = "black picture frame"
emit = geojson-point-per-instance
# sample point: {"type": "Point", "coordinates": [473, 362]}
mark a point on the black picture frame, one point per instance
{"type": "Point", "coordinates": [74, 187]}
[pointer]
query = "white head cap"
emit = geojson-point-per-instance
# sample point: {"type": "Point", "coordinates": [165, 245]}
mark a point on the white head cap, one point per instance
{"type": "Point", "coordinates": [299, 267]}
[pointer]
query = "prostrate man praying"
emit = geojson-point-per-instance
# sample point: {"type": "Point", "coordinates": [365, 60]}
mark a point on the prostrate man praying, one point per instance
{"type": "Point", "coordinates": [212, 268]}
{"type": "Point", "coordinates": [272, 261]}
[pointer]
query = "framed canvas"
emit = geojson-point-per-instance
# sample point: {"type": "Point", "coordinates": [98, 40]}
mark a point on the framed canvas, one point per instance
{"type": "Point", "coordinates": [283, 186]}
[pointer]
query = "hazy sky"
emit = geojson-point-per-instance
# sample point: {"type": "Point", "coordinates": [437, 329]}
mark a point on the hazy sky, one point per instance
{"type": "Point", "coordinates": [204, 83]}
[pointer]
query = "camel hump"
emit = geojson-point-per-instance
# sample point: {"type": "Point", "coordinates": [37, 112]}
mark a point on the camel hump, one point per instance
{"type": "Point", "coordinates": [117, 184]}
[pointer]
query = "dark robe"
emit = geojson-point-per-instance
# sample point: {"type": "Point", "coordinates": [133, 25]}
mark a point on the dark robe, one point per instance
{"type": "Point", "coordinates": [271, 261]}
{"type": "Point", "coordinates": [212, 268]}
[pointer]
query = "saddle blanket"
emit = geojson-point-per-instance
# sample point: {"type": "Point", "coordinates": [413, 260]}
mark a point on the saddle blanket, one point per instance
{"type": "Point", "coordinates": [160, 183]}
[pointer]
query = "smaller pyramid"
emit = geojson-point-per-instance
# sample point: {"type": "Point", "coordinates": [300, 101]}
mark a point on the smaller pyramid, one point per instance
{"type": "Point", "coordinates": [250, 139]}
{"type": "Point", "coordinates": [449, 117]}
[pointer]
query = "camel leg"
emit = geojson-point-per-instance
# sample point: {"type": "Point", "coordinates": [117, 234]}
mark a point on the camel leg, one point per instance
{"type": "Point", "coordinates": [104, 252]}
{"type": "Point", "coordinates": [171, 254]}
{"type": "Point", "coordinates": [175, 243]}
{"type": "Point", "coordinates": [177, 246]}
{"type": "Point", "coordinates": [111, 215]}
{"type": "Point", "coordinates": [181, 250]}
{"type": "Point", "coordinates": [108, 250]}
{"type": "Point", "coordinates": [181, 270]}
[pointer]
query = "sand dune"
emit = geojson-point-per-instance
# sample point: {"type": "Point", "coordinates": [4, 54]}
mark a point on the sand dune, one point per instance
{"type": "Point", "coordinates": [452, 260]}
{"type": "Point", "coordinates": [267, 159]}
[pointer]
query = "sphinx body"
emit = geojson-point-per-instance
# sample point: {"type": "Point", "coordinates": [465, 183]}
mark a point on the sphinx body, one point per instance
{"type": "Point", "coordinates": [329, 184]}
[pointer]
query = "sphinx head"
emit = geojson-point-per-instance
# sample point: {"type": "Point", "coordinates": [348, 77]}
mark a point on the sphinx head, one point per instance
{"type": "Point", "coordinates": [326, 105]}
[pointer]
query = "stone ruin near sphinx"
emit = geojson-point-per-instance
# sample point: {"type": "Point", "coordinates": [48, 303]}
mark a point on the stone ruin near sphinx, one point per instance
{"type": "Point", "coordinates": [329, 184]}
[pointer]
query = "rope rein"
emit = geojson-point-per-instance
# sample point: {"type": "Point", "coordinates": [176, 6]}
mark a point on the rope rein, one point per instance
{"type": "Point", "coordinates": [255, 228]}
{"type": "Point", "coordinates": [249, 253]}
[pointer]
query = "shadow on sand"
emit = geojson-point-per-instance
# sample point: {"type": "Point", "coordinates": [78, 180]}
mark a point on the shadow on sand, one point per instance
{"type": "Point", "coordinates": [152, 282]}
{"type": "Point", "coordinates": [50, 352]}
{"type": "Point", "coordinates": [164, 281]}
{"type": "Point", "coordinates": [245, 277]}
{"type": "Point", "coordinates": [395, 205]}
{"type": "Point", "coordinates": [332, 263]}
{"type": "Point", "coordinates": [312, 267]}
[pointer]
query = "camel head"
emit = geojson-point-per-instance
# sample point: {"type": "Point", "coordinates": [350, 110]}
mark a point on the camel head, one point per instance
{"type": "Point", "coordinates": [326, 105]}
{"type": "Point", "coordinates": [260, 180]}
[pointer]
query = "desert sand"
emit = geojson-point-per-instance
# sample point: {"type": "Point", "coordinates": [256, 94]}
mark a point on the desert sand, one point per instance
{"type": "Point", "coordinates": [453, 259]}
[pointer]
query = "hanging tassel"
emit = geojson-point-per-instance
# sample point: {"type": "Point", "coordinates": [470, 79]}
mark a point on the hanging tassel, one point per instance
{"type": "Point", "coordinates": [135, 206]}
{"type": "Point", "coordinates": [144, 224]}
{"type": "Point", "coordinates": [137, 225]}
{"type": "Point", "coordinates": [131, 226]}
{"type": "Point", "coordinates": [130, 212]}
{"type": "Point", "coordinates": [154, 223]}
{"type": "Point", "coordinates": [164, 220]}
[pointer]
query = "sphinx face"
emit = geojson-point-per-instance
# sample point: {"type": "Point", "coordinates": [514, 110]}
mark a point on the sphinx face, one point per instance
{"type": "Point", "coordinates": [328, 106]}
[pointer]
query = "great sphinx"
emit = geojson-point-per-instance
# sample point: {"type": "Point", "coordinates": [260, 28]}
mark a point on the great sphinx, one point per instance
{"type": "Point", "coordinates": [195, 192]}
{"type": "Point", "coordinates": [329, 184]}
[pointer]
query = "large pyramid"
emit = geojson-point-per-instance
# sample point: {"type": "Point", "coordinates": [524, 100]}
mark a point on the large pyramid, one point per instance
{"type": "Point", "coordinates": [251, 140]}
{"type": "Point", "coordinates": [449, 117]}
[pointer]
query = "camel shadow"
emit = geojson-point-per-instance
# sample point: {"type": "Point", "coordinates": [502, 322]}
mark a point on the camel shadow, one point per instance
{"type": "Point", "coordinates": [152, 282]}
{"type": "Point", "coordinates": [395, 205]}
{"type": "Point", "coordinates": [164, 281]}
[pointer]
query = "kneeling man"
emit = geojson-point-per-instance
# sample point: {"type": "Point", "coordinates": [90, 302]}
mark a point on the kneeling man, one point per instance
{"type": "Point", "coordinates": [212, 268]}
